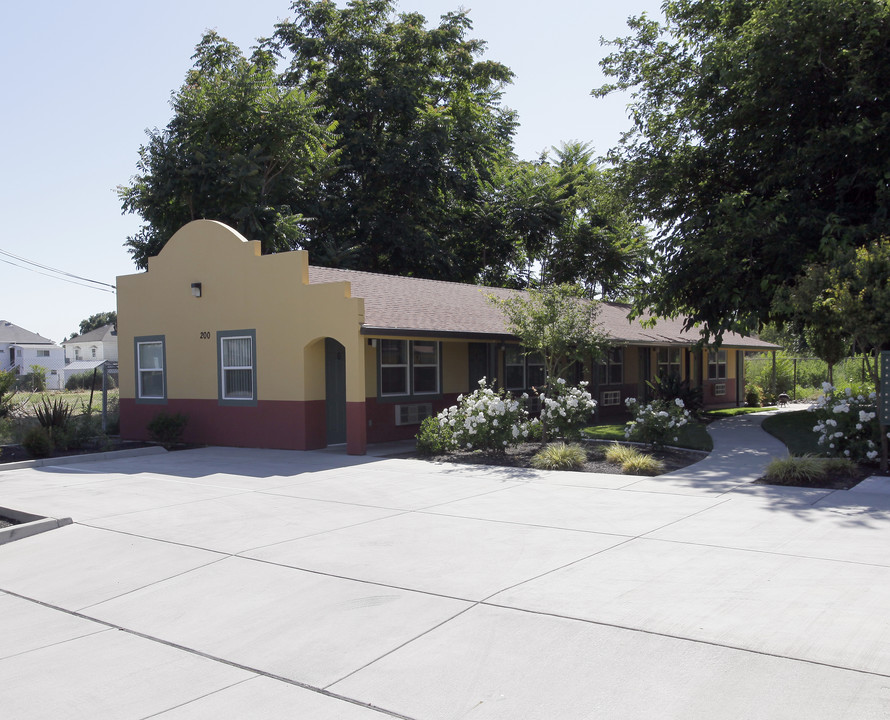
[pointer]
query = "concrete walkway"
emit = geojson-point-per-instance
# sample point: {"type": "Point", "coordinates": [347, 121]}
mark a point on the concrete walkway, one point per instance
{"type": "Point", "coordinates": [233, 583]}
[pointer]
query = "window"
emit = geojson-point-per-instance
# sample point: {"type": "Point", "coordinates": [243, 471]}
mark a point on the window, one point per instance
{"type": "Point", "coordinates": [514, 368]}
{"type": "Point", "coordinates": [717, 365]}
{"type": "Point", "coordinates": [720, 389]}
{"type": "Point", "coordinates": [611, 370]}
{"type": "Point", "coordinates": [522, 371]}
{"type": "Point", "coordinates": [394, 367]}
{"type": "Point", "coordinates": [409, 367]}
{"type": "Point", "coordinates": [535, 369]}
{"type": "Point", "coordinates": [150, 369]}
{"type": "Point", "coordinates": [237, 367]}
{"type": "Point", "coordinates": [426, 368]}
{"type": "Point", "coordinates": [43, 353]}
{"type": "Point", "coordinates": [77, 353]}
{"type": "Point", "coordinates": [611, 397]}
{"type": "Point", "coordinates": [93, 350]}
{"type": "Point", "coordinates": [668, 362]}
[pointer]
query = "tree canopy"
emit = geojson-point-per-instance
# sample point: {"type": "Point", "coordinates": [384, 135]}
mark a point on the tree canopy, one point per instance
{"type": "Point", "coordinates": [368, 147]}
{"type": "Point", "coordinates": [420, 125]}
{"type": "Point", "coordinates": [240, 148]}
{"type": "Point", "coordinates": [557, 321]}
{"type": "Point", "coordinates": [760, 144]}
{"type": "Point", "coordinates": [845, 302]}
{"type": "Point", "coordinates": [565, 222]}
{"type": "Point", "coordinates": [93, 322]}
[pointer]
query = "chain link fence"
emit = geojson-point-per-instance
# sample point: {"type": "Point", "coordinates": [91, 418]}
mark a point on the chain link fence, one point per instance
{"type": "Point", "coordinates": [801, 378]}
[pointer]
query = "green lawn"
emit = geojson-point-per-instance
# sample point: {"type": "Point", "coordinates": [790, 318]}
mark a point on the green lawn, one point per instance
{"type": "Point", "coordinates": [692, 436]}
{"type": "Point", "coordinates": [732, 412]}
{"type": "Point", "coordinates": [795, 429]}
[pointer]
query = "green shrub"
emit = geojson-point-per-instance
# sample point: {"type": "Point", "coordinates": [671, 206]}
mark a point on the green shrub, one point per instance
{"type": "Point", "coordinates": [37, 442]}
{"type": "Point", "coordinates": [433, 438]}
{"type": "Point", "coordinates": [84, 381]}
{"type": "Point", "coordinates": [486, 419]}
{"type": "Point", "coordinates": [656, 423]}
{"type": "Point", "coordinates": [80, 431]}
{"type": "Point", "coordinates": [7, 392]}
{"type": "Point", "coordinates": [565, 409]}
{"type": "Point", "coordinates": [53, 415]}
{"type": "Point", "coordinates": [753, 396]}
{"type": "Point", "coordinates": [670, 388]}
{"type": "Point", "coordinates": [167, 429]}
{"type": "Point", "coordinates": [560, 456]}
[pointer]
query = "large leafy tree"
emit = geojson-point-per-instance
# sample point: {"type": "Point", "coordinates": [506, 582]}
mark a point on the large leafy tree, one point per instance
{"type": "Point", "coordinates": [558, 322]}
{"type": "Point", "coordinates": [240, 149]}
{"type": "Point", "coordinates": [93, 322]}
{"type": "Point", "coordinates": [760, 144]}
{"type": "Point", "coordinates": [420, 128]}
{"type": "Point", "coordinates": [846, 302]}
{"type": "Point", "coordinates": [563, 221]}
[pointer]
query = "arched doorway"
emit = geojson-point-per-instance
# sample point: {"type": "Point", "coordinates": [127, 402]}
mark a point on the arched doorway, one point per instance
{"type": "Point", "coordinates": [335, 391]}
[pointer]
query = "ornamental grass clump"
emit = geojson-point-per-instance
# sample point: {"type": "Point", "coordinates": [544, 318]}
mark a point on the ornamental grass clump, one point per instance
{"type": "Point", "coordinates": [807, 470]}
{"type": "Point", "coordinates": [847, 424]}
{"type": "Point", "coordinates": [632, 461]}
{"type": "Point", "coordinates": [560, 456]}
{"type": "Point", "coordinates": [486, 419]}
{"type": "Point", "coordinates": [656, 423]}
{"type": "Point", "coordinates": [566, 409]}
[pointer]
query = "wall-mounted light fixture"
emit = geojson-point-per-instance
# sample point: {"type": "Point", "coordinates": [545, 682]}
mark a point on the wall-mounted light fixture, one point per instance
{"type": "Point", "coordinates": [196, 289]}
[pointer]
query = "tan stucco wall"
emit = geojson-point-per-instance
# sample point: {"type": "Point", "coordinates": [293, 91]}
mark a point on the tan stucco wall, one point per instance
{"type": "Point", "coordinates": [631, 364]}
{"type": "Point", "coordinates": [455, 367]}
{"type": "Point", "coordinates": [241, 290]}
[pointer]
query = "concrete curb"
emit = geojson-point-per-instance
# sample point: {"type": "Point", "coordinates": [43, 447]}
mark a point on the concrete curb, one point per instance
{"type": "Point", "coordinates": [28, 525]}
{"type": "Point", "coordinates": [87, 457]}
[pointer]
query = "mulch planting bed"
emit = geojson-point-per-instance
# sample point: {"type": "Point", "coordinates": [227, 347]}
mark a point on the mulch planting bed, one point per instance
{"type": "Point", "coordinates": [521, 456]}
{"type": "Point", "coordinates": [842, 482]}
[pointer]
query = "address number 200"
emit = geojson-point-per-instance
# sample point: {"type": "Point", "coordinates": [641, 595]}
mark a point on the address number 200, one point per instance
{"type": "Point", "coordinates": [205, 335]}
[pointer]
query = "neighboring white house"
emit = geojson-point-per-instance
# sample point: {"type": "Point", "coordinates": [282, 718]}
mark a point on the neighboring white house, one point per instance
{"type": "Point", "coordinates": [88, 351]}
{"type": "Point", "coordinates": [99, 344]}
{"type": "Point", "coordinates": [21, 349]}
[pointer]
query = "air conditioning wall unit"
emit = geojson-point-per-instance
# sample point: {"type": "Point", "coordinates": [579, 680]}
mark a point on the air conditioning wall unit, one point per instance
{"type": "Point", "coordinates": [413, 414]}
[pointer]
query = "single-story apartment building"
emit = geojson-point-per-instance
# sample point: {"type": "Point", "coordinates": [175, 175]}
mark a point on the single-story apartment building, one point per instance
{"type": "Point", "coordinates": [270, 351]}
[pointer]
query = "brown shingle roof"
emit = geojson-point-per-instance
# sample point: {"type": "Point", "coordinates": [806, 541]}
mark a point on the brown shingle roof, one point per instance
{"type": "Point", "coordinates": [406, 305]}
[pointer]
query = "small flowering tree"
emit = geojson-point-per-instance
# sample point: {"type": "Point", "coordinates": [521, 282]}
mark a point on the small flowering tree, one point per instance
{"type": "Point", "coordinates": [657, 422]}
{"type": "Point", "coordinates": [847, 424]}
{"type": "Point", "coordinates": [486, 419]}
{"type": "Point", "coordinates": [566, 409]}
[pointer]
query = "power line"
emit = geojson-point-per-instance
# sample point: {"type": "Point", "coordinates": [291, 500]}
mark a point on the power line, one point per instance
{"type": "Point", "coordinates": [56, 277]}
{"type": "Point", "coordinates": [55, 270]}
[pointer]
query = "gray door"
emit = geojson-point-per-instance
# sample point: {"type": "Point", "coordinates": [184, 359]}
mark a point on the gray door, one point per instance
{"type": "Point", "coordinates": [335, 390]}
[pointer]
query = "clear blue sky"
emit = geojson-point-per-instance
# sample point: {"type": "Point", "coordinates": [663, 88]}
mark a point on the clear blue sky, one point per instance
{"type": "Point", "coordinates": [84, 80]}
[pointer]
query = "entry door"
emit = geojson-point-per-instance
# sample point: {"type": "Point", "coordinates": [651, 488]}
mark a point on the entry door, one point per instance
{"type": "Point", "coordinates": [335, 391]}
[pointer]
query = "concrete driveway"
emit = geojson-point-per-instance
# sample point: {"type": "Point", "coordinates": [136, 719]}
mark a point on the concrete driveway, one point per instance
{"type": "Point", "coordinates": [234, 583]}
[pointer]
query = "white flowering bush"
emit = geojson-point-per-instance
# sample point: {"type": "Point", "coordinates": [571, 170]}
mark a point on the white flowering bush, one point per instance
{"type": "Point", "coordinates": [566, 409]}
{"type": "Point", "coordinates": [656, 423]}
{"type": "Point", "coordinates": [847, 424]}
{"type": "Point", "coordinates": [486, 419]}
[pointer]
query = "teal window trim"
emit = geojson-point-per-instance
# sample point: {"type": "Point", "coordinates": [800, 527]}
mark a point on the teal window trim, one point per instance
{"type": "Point", "coordinates": [251, 401]}
{"type": "Point", "coordinates": [139, 370]}
{"type": "Point", "coordinates": [411, 395]}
